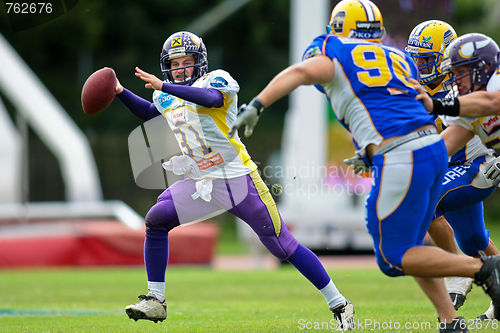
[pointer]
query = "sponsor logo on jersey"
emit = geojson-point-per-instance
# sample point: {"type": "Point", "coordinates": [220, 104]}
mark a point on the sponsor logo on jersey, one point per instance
{"type": "Point", "coordinates": [312, 52]}
{"type": "Point", "coordinates": [179, 116]}
{"type": "Point", "coordinates": [490, 124]}
{"type": "Point", "coordinates": [218, 82]}
{"type": "Point", "coordinates": [207, 163]}
{"type": "Point", "coordinates": [455, 173]}
{"type": "Point", "coordinates": [165, 100]}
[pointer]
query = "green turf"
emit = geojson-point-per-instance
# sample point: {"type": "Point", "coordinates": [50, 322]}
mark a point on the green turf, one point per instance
{"type": "Point", "coordinates": [203, 300]}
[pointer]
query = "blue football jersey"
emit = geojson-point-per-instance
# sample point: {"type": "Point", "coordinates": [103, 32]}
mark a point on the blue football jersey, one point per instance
{"type": "Point", "coordinates": [370, 94]}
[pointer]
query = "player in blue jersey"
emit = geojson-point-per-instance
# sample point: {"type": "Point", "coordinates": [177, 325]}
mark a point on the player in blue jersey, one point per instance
{"type": "Point", "coordinates": [220, 176]}
{"type": "Point", "coordinates": [464, 185]}
{"type": "Point", "coordinates": [368, 86]}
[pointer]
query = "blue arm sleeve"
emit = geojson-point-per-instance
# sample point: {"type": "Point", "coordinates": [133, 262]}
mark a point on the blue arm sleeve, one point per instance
{"type": "Point", "coordinates": [137, 105]}
{"type": "Point", "coordinates": [209, 98]}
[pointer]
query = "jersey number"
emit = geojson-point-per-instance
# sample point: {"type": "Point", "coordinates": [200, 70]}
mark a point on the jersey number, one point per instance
{"type": "Point", "coordinates": [187, 148]}
{"type": "Point", "coordinates": [377, 72]}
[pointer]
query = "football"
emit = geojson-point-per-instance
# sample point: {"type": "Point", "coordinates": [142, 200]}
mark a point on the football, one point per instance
{"type": "Point", "coordinates": [99, 90]}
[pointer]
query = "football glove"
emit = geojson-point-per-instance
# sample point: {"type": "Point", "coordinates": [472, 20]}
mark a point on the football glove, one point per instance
{"type": "Point", "coordinates": [493, 170]}
{"type": "Point", "coordinates": [248, 115]}
{"type": "Point", "coordinates": [357, 164]}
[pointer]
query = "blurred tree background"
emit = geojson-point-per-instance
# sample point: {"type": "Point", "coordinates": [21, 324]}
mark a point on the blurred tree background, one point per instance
{"type": "Point", "coordinates": [252, 45]}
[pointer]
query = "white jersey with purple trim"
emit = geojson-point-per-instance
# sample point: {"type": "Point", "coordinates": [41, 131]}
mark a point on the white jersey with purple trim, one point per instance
{"type": "Point", "coordinates": [487, 128]}
{"type": "Point", "coordinates": [202, 133]}
{"type": "Point", "coordinates": [473, 148]}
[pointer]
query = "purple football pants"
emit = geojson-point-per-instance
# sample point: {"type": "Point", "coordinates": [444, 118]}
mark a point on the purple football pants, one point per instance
{"type": "Point", "coordinates": [246, 197]}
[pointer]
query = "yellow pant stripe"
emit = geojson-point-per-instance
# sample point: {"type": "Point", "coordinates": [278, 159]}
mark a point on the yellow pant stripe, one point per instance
{"type": "Point", "coordinates": [268, 200]}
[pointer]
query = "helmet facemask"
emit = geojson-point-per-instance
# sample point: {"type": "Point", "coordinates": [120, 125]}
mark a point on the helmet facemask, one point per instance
{"type": "Point", "coordinates": [433, 63]}
{"type": "Point", "coordinates": [166, 68]}
{"type": "Point", "coordinates": [477, 73]}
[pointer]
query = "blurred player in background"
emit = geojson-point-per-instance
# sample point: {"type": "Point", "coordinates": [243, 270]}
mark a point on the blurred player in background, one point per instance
{"type": "Point", "coordinates": [464, 185]}
{"type": "Point", "coordinates": [472, 61]}
{"type": "Point", "coordinates": [368, 86]}
{"type": "Point", "coordinates": [220, 175]}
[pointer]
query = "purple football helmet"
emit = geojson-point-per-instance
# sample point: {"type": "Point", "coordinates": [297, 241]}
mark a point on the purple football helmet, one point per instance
{"type": "Point", "coordinates": [180, 44]}
{"type": "Point", "coordinates": [476, 50]}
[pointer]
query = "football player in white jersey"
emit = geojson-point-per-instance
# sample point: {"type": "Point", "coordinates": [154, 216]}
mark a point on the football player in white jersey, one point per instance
{"type": "Point", "coordinates": [367, 84]}
{"type": "Point", "coordinates": [220, 175]}
{"type": "Point", "coordinates": [473, 62]}
{"type": "Point", "coordinates": [464, 186]}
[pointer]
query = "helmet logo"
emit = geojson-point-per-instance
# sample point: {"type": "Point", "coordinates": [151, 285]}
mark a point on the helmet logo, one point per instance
{"type": "Point", "coordinates": [177, 41]}
{"type": "Point", "coordinates": [467, 50]}
{"type": "Point", "coordinates": [338, 22]}
{"type": "Point", "coordinates": [448, 37]}
{"type": "Point", "coordinates": [368, 25]}
{"type": "Point", "coordinates": [425, 43]}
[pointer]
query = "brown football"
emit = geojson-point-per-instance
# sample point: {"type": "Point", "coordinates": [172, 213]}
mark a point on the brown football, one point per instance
{"type": "Point", "coordinates": [99, 90]}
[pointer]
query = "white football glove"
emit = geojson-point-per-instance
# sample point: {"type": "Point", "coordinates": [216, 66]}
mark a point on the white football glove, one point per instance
{"type": "Point", "coordinates": [492, 170]}
{"type": "Point", "coordinates": [248, 115]}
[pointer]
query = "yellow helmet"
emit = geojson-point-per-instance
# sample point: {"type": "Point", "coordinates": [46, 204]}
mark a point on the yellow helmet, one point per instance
{"type": "Point", "coordinates": [357, 19]}
{"type": "Point", "coordinates": [429, 39]}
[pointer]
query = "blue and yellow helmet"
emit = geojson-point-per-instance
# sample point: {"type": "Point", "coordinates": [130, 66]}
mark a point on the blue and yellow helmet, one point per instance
{"type": "Point", "coordinates": [357, 19]}
{"type": "Point", "coordinates": [429, 39]}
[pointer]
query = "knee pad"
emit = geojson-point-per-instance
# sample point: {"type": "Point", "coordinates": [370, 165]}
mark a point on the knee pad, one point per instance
{"type": "Point", "coordinates": [282, 246]}
{"type": "Point", "coordinates": [473, 243]}
{"type": "Point", "coordinates": [163, 216]}
{"type": "Point", "coordinates": [388, 264]}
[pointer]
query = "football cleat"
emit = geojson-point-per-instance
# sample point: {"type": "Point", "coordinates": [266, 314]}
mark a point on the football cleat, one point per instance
{"type": "Point", "coordinates": [458, 288]}
{"type": "Point", "coordinates": [488, 278]}
{"type": "Point", "coordinates": [344, 315]}
{"type": "Point", "coordinates": [458, 325]}
{"type": "Point", "coordinates": [489, 314]}
{"type": "Point", "coordinates": [149, 308]}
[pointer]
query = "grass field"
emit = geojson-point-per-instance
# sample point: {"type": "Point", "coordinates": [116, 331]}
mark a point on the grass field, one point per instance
{"type": "Point", "coordinates": [204, 300]}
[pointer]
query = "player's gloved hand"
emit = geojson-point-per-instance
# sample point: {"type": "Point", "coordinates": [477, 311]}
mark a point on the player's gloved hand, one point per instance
{"type": "Point", "coordinates": [493, 170]}
{"type": "Point", "coordinates": [248, 115]}
{"type": "Point", "coordinates": [358, 164]}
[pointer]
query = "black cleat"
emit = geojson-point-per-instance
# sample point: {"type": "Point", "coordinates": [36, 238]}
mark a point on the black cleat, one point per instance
{"type": "Point", "coordinates": [488, 278]}
{"type": "Point", "coordinates": [457, 300]}
{"type": "Point", "coordinates": [489, 314]}
{"type": "Point", "coordinates": [458, 325]}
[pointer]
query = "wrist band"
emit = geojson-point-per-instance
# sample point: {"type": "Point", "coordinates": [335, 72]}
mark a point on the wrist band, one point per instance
{"type": "Point", "coordinates": [446, 106]}
{"type": "Point", "coordinates": [256, 103]}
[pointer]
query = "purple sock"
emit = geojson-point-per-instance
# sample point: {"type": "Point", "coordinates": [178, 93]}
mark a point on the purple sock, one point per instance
{"type": "Point", "coordinates": [156, 254]}
{"type": "Point", "coordinates": [309, 265]}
